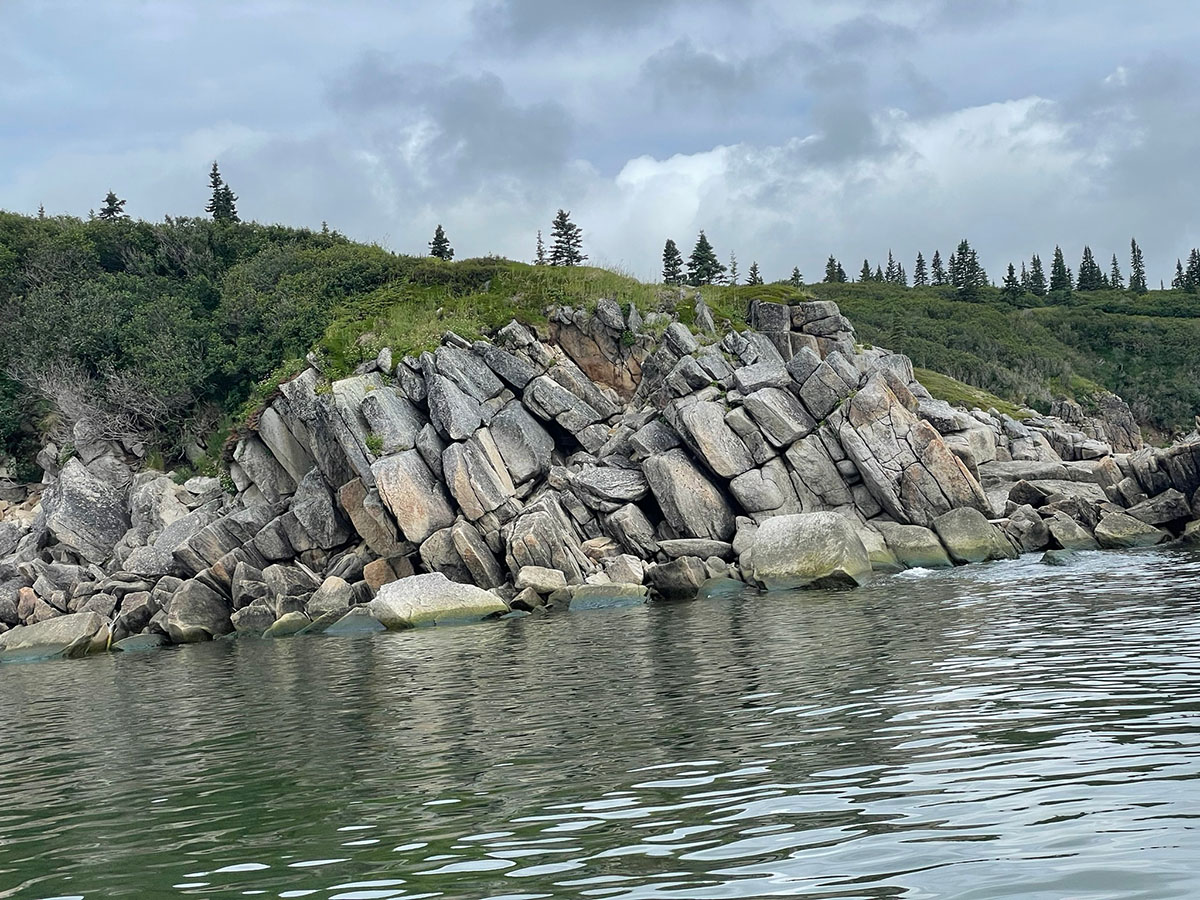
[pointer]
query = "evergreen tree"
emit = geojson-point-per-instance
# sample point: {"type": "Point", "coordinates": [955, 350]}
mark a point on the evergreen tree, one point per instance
{"type": "Point", "coordinates": [797, 280]}
{"type": "Point", "coordinates": [901, 276]}
{"type": "Point", "coordinates": [440, 245]}
{"type": "Point", "coordinates": [1024, 278]}
{"type": "Point", "coordinates": [864, 274]}
{"type": "Point", "coordinates": [1037, 277]}
{"type": "Point", "coordinates": [1011, 291]}
{"type": "Point", "coordinates": [920, 275]}
{"type": "Point", "coordinates": [222, 205]}
{"type": "Point", "coordinates": [966, 273]}
{"type": "Point", "coordinates": [1090, 276]}
{"type": "Point", "coordinates": [733, 269]}
{"type": "Point", "coordinates": [1060, 276]}
{"type": "Point", "coordinates": [566, 248]}
{"type": "Point", "coordinates": [41, 211]}
{"type": "Point", "coordinates": [1115, 279]}
{"type": "Point", "coordinates": [672, 264]}
{"type": "Point", "coordinates": [841, 274]}
{"type": "Point", "coordinates": [1191, 275]}
{"type": "Point", "coordinates": [939, 273]}
{"type": "Point", "coordinates": [1177, 281]}
{"type": "Point", "coordinates": [890, 274]}
{"type": "Point", "coordinates": [540, 254]}
{"type": "Point", "coordinates": [113, 208]}
{"type": "Point", "coordinates": [831, 270]}
{"type": "Point", "coordinates": [755, 277]}
{"type": "Point", "coordinates": [878, 276]}
{"type": "Point", "coordinates": [703, 266]}
{"type": "Point", "coordinates": [1137, 268]}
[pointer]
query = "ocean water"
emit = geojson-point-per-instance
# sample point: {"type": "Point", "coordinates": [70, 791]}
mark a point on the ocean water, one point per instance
{"type": "Point", "coordinates": [1004, 730]}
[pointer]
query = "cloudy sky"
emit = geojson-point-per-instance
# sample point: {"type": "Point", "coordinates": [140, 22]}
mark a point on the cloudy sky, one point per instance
{"type": "Point", "coordinates": [787, 129]}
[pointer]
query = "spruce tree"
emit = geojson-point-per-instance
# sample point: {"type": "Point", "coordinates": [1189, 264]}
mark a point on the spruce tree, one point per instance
{"type": "Point", "coordinates": [566, 248]}
{"type": "Point", "coordinates": [1137, 268]}
{"type": "Point", "coordinates": [1060, 277]}
{"type": "Point", "coordinates": [440, 245]}
{"type": "Point", "coordinates": [539, 258]}
{"type": "Point", "coordinates": [1024, 277]}
{"type": "Point", "coordinates": [831, 270]}
{"type": "Point", "coordinates": [901, 276]}
{"type": "Point", "coordinates": [966, 273]}
{"type": "Point", "coordinates": [113, 208]}
{"type": "Point", "coordinates": [841, 274]}
{"type": "Point", "coordinates": [733, 269]}
{"type": "Point", "coordinates": [672, 264]}
{"type": "Point", "coordinates": [797, 280]}
{"type": "Point", "coordinates": [222, 205]}
{"type": "Point", "coordinates": [939, 273]}
{"type": "Point", "coordinates": [878, 276]}
{"type": "Point", "coordinates": [1115, 279]}
{"type": "Point", "coordinates": [1037, 277]}
{"type": "Point", "coordinates": [1011, 291]}
{"type": "Point", "coordinates": [1177, 281]}
{"type": "Point", "coordinates": [920, 275]}
{"type": "Point", "coordinates": [864, 274]}
{"type": "Point", "coordinates": [1191, 275]}
{"type": "Point", "coordinates": [754, 276]}
{"type": "Point", "coordinates": [41, 211]}
{"type": "Point", "coordinates": [1090, 276]}
{"type": "Point", "coordinates": [890, 273]}
{"type": "Point", "coordinates": [703, 266]}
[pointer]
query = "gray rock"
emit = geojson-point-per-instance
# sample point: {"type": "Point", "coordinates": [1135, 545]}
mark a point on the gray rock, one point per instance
{"type": "Point", "coordinates": [606, 596]}
{"type": "Point", "coordinates": [253, 619]}
{"type": "Point", "coordinates": [524, 444]}
{"type": "Point", "coordinates": [714, 441]}
{"type": "Point", "coordinates": [606, 488]}
{"type": "Point", "coordinates": [679, 579]}
{"type": "Point", "coordinates": [515, 370]}
{"type": "Point", "coordinates": [818, 483]}
{"type": "Point", "coordinates": [438, 554]}
{"type": "Point", "coordinates": [263, 469]}
{"type": "Point", "coordinates": [1164, 509]}
{"type": "Point", "coordinates": [149, 562]}
{"type": "Point", "coordinates": [290, 452]}
{"type": "Point", "coordinates": [371, 519]}
{"type": "Point", "coordinates": [334, 595]}
{"type": "Point", "coordinates": [687, 376]}
{"type": "Point", "coordinates": [969, 537]}
{"type": "Point", "coordinates": [393, 419]}
{"type": "Point", "coordinates": [630, 527]}
{"type": "Point", "coordinates": [653, 438]}
{"type": "Point", "coordinates": [539, 578]}
{"type": "Point", "coordinates": [432, 600]}
{"type": "Point", "coordinates": [469, 372]}
{"type": "Point", "coordinates": [476, 475]}
{"type": "Point", "coordinates": [318, 514]}
{"type": "Point", "coordinates": [542, 535]}
{"type": "Point", "coordinates": [548, 399]}
{"type": "Point", "coordinates": [698, 547]}
{"type": "Point", "coordinates": [68, 636]}
{"type": "Point", "coordinates": [476, 555]}
{"type": "Point", "coordinates": [287, 625]}
{"type": "Point", "coordinates": [416, 500]}
{"type": "Point", "coordinates": [86, 513]}
{"type": "Point", "coordinates": [760, 375]}
{"type": "Point", "coordinates": [780, 415]}
{"type": "Point", "coordinates": [288, 587]}
{"type": "Point", "coordinates": [453, 413]}
{"type": "Point", "coordinates": [680, 340]}
{"type": "Point", "coordinates": [1069, 534]}
{"type": "Point", "coordinates": [690, 502]}
{"type": "Point", "coordinates": [1118, 531]}
{"type": "Point", "coordinates": [1027, 529]}
{"type": "Point", "coordinates": [197, 613]}
{"type": "Point", "coordinates": [766, 491]}
{"type": "Point", "coordinates": [820, 550]}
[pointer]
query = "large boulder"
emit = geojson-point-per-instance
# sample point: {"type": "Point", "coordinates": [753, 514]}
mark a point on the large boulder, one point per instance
{"type": "Point", "coordinates": [819, 550]}
{"type": "Point", "coordinates": [197, 613]}
{"type": "Point", "coordinates": [1118, 531]}
{"type": "Point", "coordinates": [85, 512]}
{"type": "Point", "coordinates": [690, 502]}
{"type": "Point", "coordinates": [70, 636]}
{"type": "Point", "coordinates": [432, 600]}
{"type": "Point", "coordinates": [970, 537]}
{"type": "Point", "coordinates": [414, 496]}
{"type": "Point", "coordinates": [914, 546]}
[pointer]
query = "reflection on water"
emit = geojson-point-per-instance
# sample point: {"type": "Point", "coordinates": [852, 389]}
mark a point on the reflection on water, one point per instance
{"type": "Point", "coordinates": [1009, 730]}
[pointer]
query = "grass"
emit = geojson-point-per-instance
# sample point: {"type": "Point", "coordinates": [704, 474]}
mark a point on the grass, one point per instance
{"type": "Point", "coordinates": [956, 393]}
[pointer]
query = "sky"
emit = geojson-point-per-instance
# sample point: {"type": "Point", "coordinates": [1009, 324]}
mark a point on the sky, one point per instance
{"type": "Point", "coordinates": [788, 130]}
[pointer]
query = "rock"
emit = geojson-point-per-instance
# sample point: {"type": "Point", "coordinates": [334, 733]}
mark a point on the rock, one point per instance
{"type": "Point", "coordinates": [140, 643]}
{"type": "Point", "coordinates": [1118, 531]}
{"type": "Point", "coordinates": [432, 600]}
{"type": "Point", "coordinates": [393, 419]}
{"type": "Point", "coordinates": [469, 372]}
{"type": "Point", "coordinates": [288, 451]}
{"type": "Point", "coordinates": [969, 537]}
{"type": "Point", "coordinates": [253, 619]}
{"type": "Point", "coordinates": [1191, 535]}
{"type": "Point", "coordinates": [767, 491]}
{"type": "Point", "coordinates": [197, 613]}
{"type": "Point", "coordinates": [679, 579]}
{"type": "Point", "coordinates": [149, 562]}
{"type": "Point", "coordinates": [136, 611]}
{"type": "Point", "coordinates": [881, 557]}
{"type": "Point", "coordinates": [914, 546]}
{"type": "Point", "coordinates": [248, 584]}
{"type": "Point", "coordinates": [630, 527]}
{"type": "Point", "coordinates": [770, 374]}
{"type": "Point", "coordinates": [542, 535]}
{"type": "Point", "coordinates": [318, 514]}
{"type": "Point", "coordinates": [68, 636]}
{"type": "Point", "coordinates": [1027, 529]}
{"type": "Point", "coordinates": [524, 444]}
{"type": "Point", "coordinates": [334, 594]}
{"type": "Point", "coordinates": [1165, 508]}
{"type": "Point", "coordinates": [653, 438]}
{"type": "Point", "coordinates": [819, 550]}
{"type": "Point", "coordinates": [689, 501]}
{"type": "Point", "coordinates": [606, 596]}
{"type": "Point", "coordinates": [1059, 557]}
{"type": "Point", "coordinates": [453, 413]}
{"type": "Point", "coordinates": [287, 625]}
{"type": "Point", "coordinates": [259, 464]}
{"type": "Point", "coordinates": [548, 399]}
{"type": "Point", "coordinates": [289, 588]}
{"type": "Point", "coordinates": [356, 622]}
{"type": "Point", "coordinates": [624, 569]}
{"type": "Point", "coordinates": [371, 519]}
{"type": "Point", "coordinates": [1069, 534]}
{"type": "Point", "coordinates": [699, 547]}
{"type": "Point", "coordinates": [476, 476]}
{"type": "Point", "coordinates": [680, 340]}
{"type": "Point", "coordinates": [607, 488]}
{"type": "Point", "coordinates": [86, 513]}
{"type": "Point", "coordinates": [379, 572]}
{"type": "Point", "coordinates": [408, 488]}
{"type": "Point", "coordinates": [476, 555]}
{"type": "Point", "coordinates": [544, 581]}
{"type": "Point", "coordinates": [780, 415]}
{"type": "Point", "coordinates": [714, 441]}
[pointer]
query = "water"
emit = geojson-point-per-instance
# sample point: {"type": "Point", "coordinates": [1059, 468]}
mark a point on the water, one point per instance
{"type": "Point", "coordinates": [1010, 730]}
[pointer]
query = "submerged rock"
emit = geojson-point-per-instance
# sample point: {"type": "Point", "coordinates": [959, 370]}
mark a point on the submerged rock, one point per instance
{"type": "Point", "coordinates": [432, 600]}
{"type": "Point", "coordinates": [818, 550]}
{"type": "Point", "coordinates": [68, 636]}
{"type": "Point", "coordinates": [606, 596]}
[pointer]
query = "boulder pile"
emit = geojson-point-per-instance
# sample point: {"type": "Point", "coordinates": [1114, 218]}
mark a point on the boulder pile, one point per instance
{"type": "Point", "coordinates": [610, 459]}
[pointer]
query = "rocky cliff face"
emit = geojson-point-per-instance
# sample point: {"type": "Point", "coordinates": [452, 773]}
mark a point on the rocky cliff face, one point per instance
{"type": "Point", "coordinates": [612, 459]}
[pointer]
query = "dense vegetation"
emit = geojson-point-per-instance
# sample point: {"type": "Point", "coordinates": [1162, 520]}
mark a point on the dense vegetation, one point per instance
{"type": "Point", "coordinates": [167, 334]}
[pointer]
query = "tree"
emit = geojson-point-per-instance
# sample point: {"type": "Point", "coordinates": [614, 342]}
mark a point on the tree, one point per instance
{"type": "Point", "coordinates": [901, 276]}
{"type": "Point", "coordinates": [1090, 276]}
{"type": "Point", "coordinates": [831, 269]}
{"type": "Point", "coordinates": [1037, 277]}
{"type": "Point", "coordinates": [754, 277]}
{"type": "Point", "coordinates": [939, 273]}
{"type": "Point", "coordinates": [1137, 268]}
{"type": "Point", "coordinates": [567, 246]}
{"type": "Point", "coordinates": [41, 211]}
{"type": "Point", "coordinates": [440, 245]}
{"type": "Point", "coordinates": [540, 258]}
{"type": "Point", "coordinates": [797, 280]}
{"type": "Point", "coordinates": [920, 275]}
{"type": "Point", "coordinates": [1011, 291]}
{"type": "Point", "coordinates": [113, 209]}
{"type": "Point", "coordinates": [672, 264]}
{"type": "Point", "coordinates": [878, 276]}
{"type": "Point", "coordinates": [892, 272]}
{"type": "Point", "coordinates": [1115, 279]}
{"type": "Point", "coordinates": [1060, 275]}
{"type": "Point", "coordinates": [733, 269]}
{"type": "Point", "coordinates": [1177, 282]}
{"type": "Point", "coordinates": [966, 274]}
{"type": "Point", "coordinates": [841, 274]}
{"type": "Point", "coordinates": [703, 266]}
{"type": "Point", "coordinates": [1191, 275]}
{"type": "Point", "coordinates": [864, 274]}
{"type": "Point", "coordinates": [222, 206]}
{"type": "Point", "coordinates": [1024, 278]}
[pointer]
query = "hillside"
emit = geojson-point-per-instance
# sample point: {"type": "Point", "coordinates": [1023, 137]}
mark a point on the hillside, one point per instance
{"type": "Point", "coordinates": [167, 335]}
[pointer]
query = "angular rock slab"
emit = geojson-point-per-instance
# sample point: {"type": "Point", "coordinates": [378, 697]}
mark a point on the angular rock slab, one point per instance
{"type": "Point", "coordinates": [416, 499]}
{"type": "Point", "coordinates": [86, 513]}
{"type": "Point", "coordinates": [68, 636]}
{"type": "Point", "coordinates": [809, 550]}
{"type": "Point", "coordinates": [970, 538]}
{"type": "Point", "coordinates": [690, 502]}
{"type": "Point", "coordinates": [1118, 531]}
{"type": "Point", "coordinates": [432, 600]}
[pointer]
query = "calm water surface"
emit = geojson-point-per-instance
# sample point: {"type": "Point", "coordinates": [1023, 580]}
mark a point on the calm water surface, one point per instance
{"type": "Point", "coordinates": [1010, 730]}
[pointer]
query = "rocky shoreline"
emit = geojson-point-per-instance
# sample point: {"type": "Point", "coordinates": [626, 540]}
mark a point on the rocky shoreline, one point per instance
{"type": "Point", "coordinates": [606, 460]}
